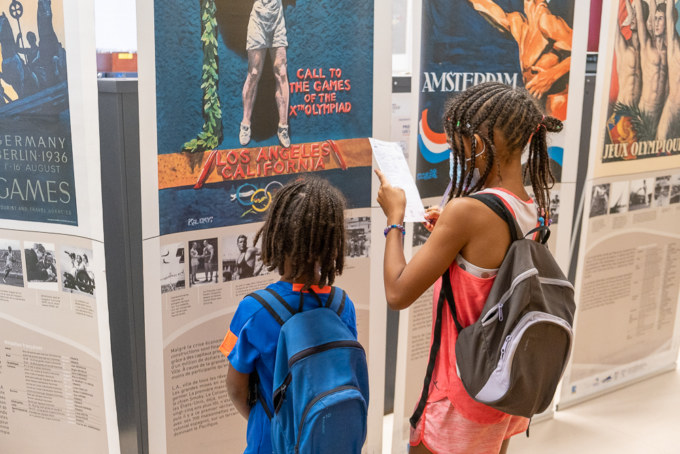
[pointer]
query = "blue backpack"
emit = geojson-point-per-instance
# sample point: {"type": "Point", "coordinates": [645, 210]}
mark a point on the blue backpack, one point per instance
{"type": "Point", "coordinates": [320, 378]}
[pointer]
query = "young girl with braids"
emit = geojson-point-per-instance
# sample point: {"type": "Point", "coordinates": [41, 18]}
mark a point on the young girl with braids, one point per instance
{"type": "Point", "coordinates": [488, 127]}
{"type": "Point", "coordinates": [303, 238]}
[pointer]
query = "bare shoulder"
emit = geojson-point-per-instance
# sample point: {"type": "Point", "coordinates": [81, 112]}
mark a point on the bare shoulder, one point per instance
{"type": "Point", "coordinates": [486, 235]}
{"type": "Point", "coordinates": [466, 212]}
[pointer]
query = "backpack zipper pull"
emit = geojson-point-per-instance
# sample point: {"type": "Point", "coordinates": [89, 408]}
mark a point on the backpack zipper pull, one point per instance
{"type": "Point", "coordinates": [500, 313]}
{"type": "Point", "coordinates": [505, 344]}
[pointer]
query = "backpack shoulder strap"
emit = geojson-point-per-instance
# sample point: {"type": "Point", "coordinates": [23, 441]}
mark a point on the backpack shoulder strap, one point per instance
{"type": "Point", "coordinates": [255, 395]}
{"type": "Point", "coordinates": [498, 207]}
{"type": "Point", "coordinates": [543, 233]}
{"type": "Point", "coordinates": [336, 300]}
{"type": "Point", "coordinates": [496, 204]}
{"type": "Point", "coordinates": [278, 308]}
{"type": "Point", "coordinates": [274, 304]}
{"type": "Point", "coordinates": [434, 349]}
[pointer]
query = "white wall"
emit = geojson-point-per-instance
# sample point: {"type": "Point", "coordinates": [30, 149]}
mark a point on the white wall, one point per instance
{"type": "Point", "coordinates": [115, 25]}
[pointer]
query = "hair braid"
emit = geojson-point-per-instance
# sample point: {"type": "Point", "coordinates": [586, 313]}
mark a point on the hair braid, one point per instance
{"type": "Point", "coordinates": [305, 230]}
{"type": "Point", "coordinates": [494, 108]}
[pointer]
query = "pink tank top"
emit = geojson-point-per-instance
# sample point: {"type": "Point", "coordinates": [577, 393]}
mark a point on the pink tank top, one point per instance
{"type": "Point", "coordinates": [471, 286]}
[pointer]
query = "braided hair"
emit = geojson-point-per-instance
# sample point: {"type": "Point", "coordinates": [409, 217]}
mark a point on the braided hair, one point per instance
{"type": "Point", "coordinates": [305, 226]}
{"type": "Point", "coordinates": [496, 108]}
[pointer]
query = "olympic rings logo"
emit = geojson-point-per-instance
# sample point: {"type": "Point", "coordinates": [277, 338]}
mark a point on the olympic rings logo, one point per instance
{"type": "Point", "coordinates": [255, 199]}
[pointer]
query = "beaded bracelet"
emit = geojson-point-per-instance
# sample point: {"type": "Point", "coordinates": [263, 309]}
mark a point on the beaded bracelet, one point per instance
{"type": "Point", "coordinates": [395, 226]}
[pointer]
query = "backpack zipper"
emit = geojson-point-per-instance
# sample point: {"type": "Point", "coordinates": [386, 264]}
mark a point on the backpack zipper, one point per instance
{"type": "Point", "coordinates": [505, 345]}
{"type": "Point", "coordinates": [552, 281]}
{"type": "Point", "coordinates": [498, 308]}
{"type": "Point", "coordinates": [280, 392]}
{"type": "Point", "coordinates": [311, 404]}
{"type": "Point", "coordinates": [322, 348]}
{"type": "Point", "coordinates": [527, 320]}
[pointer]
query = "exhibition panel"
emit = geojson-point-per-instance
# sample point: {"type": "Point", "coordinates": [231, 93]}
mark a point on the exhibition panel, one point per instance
{"type": "Point", "coordinates": [56, 373]}
{"type": "Point", "coordinates": [462, 44]}
{"type": "Point", "coordinates": [628, 277]}
{"type": "Point", "coordinates": [220, 136]}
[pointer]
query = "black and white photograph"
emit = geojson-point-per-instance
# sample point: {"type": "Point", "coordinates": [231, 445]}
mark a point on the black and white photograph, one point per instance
{"type": "Point", "coordinates": [618, 200]}
{"type": "Point", "coordinates": [41, 265]}
{"type": "Point", "coordinates": [358, 236]}
{"type": "Point", "coordinates": [203, 262]}
{"type": "Point", "coordinates": [77, 274]}
{"type": "Point", "coordinates": [675, 189]}
{"type": "Point", "coordinates": [10, 259]}
{"type": "Point", "coordinates": [599, 202]}
{"type": "Point", "coordinates": [172, 268]}
{"type": "Point", "coordinates": [241, 259]}
{"type": "Point", "coordinates": [420, 234]}
{"type": "Point", "coordinates": [554, 206]}
{"type": "Point", "coordinates": [641, 192]}
{"type": "Point", "coordinates": [662, 191]}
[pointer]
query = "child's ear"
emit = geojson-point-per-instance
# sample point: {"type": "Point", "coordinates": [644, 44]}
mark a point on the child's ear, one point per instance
{"type": "Point", "coordinates": [478, 139]}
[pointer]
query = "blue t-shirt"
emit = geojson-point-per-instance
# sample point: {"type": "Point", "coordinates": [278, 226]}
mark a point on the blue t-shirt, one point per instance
{"type": "Point", "coordinates": [250, 345]}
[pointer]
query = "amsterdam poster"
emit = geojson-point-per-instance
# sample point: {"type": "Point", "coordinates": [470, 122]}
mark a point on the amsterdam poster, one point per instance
{"type": "Point", "coordinates": [523, 43]}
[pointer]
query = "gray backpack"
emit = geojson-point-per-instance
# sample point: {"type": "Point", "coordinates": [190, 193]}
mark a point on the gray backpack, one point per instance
{"type": "Point", "coordinates": [513, 356]}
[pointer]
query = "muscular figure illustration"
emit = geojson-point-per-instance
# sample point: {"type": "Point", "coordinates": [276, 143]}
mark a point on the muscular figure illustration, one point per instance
{"type": "Point", "coordinates": [669, 123]}
{"type": "Point", "coordinates": [628, 59]}
{"type": "Point", "coordinates": [247, 263]}
{"type": "Point", "coordinates": [266, 32]}
{"type": "Point", "coordinates": [653, 63]}
{"type": "Point", "coordinates": [544, 42]}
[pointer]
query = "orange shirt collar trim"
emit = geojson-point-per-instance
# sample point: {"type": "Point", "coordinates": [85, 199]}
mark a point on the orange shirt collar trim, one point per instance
{"type": "Point", "coordinates": [316, 288]}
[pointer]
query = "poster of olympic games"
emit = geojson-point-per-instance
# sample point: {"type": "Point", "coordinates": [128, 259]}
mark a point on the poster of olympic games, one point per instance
{"type": "Point", "coordinates": [36, 160]}
{"type": "Point", "coordinates": [630, 248]}
{"type": "Point", "coordinates": [248, 95]}
{"type": "Point", "coordinates": [523, 43]}
{"type": "Point", "coordinates": [643, 102]}
{"type": "Point", "coordinates": [264, 90]}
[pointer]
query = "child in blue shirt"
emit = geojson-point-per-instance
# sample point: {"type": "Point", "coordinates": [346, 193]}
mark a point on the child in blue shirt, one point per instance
{"type": "Point", "coordinates": [303, 238]}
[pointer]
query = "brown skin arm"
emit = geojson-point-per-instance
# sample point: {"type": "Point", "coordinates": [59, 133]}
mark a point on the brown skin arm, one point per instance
{"type": "Point", "coordinates": [553, 28]}
{"type": "Point", "coordinates": [641, 26]}
{"type": "Point", "coordinates": [494, 14]}
{"type": "Point", "coordinates": [237, 387]}
{"type": "Point", "coordinates": [458, 222]}
{"type": "Point", "coordinates": [620, 41]}
{"type": "Point", "coordinates": [545, 78]}
{"type": "Point", "coordinates": [671, 33]}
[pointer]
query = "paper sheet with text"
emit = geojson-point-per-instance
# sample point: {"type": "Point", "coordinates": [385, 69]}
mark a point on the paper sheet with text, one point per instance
{"type": "Point", "coordinates": [392, 163]}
